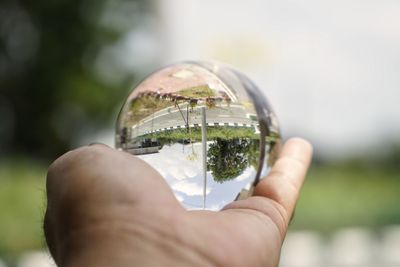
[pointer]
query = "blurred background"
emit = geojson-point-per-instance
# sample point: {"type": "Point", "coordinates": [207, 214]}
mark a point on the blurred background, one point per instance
{"type": "Point", "coordinates": [329, 68]}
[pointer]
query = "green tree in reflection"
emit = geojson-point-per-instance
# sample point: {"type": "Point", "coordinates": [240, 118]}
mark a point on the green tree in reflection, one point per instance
{"type": "Point", "coordinates": [253, 153]}
{"type": "Point", "coordinates": [228, 158]}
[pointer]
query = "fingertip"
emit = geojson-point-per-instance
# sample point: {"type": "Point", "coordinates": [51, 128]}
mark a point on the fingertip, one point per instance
{"type": "Point", "coordinates": [284, 181]}
{"type": "Point", "coordinates": [298, 149]}
{"type": "Point", "coordinates": [299, 142]}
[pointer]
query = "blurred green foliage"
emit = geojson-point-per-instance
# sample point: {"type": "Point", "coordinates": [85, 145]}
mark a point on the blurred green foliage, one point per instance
{"type": "Point", "coordinates": [358, 191]}
{"type": "Point", "coordinates": [22, 201]}
{"type": "Point", "coordinates": [56, 86]}
{"type": "Point", "coordinates": [347, 194]}
{"type": "Point", "coordinates": [50, 93]}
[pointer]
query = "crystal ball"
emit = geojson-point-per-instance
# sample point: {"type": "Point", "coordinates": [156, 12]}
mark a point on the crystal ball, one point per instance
{"type": "Point", "coordinates": [205, 127]}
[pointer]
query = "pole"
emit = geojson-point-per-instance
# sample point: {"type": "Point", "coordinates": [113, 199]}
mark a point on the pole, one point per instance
{"type": "Point", "coordinates": [204, 150]}
{"type": "Point", "coordinates": [187, 127]}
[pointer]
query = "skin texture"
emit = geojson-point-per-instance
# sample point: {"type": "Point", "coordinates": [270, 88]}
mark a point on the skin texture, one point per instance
{"type": "Point", "coordinates": [108, 208]}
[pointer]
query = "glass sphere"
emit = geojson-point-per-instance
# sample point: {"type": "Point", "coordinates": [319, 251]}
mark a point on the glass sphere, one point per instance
{"type": "Point", "coordinates": [205, 127]}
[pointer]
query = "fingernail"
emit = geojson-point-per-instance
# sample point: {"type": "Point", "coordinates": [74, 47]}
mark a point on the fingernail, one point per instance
{"type": "Point", "coordinates": [97, 143]}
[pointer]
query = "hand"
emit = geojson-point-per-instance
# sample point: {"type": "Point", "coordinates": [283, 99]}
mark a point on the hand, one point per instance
{"type": "Point", "coordinates": [109, 208]}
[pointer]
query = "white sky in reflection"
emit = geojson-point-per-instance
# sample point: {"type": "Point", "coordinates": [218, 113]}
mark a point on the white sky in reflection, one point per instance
{"type": "Point", "coordinates": [186, 179]}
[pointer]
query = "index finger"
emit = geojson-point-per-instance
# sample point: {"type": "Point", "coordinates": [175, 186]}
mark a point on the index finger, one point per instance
{"type": "Point", "coordinates": [284, 182]}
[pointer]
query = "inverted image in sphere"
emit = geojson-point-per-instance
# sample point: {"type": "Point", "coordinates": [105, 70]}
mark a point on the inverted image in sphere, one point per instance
{"type": "Point", "coordinates": [205, 127]}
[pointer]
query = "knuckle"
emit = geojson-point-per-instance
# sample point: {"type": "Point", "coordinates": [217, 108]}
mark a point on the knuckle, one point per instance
{"type": "Point", "coordinates": [70, 161]}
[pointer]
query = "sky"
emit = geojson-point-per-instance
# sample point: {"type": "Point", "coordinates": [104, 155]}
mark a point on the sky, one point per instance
{"type": "Point", "coordinates": [330, 69]}
{"type": "Point", "coordinates": [186, 180]}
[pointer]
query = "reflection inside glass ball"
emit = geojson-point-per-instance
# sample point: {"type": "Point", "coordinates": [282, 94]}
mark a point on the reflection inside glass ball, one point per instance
{"type": "Point", "coordinates": [206, 128]}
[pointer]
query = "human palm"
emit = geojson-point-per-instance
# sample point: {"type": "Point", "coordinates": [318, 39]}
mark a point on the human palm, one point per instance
{"type": "Point", "coordinates": [109, 208]}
